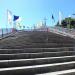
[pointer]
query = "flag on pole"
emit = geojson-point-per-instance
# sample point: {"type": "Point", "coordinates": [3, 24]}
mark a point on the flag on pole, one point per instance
{"type": "Point", "coordinates": [53, 17]}
{"type": "Point", "coordinates": [17, 21]}
{"type": "Point", "coordinates": [9, 17]}
{"type": "Point", "coordinates": [15, 18]}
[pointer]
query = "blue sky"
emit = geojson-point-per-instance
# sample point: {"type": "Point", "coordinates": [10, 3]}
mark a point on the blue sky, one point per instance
{"type": "Point", "coordinates": [33, 11]}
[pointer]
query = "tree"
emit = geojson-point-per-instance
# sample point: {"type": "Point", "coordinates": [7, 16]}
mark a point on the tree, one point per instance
{"type": "Point", "coordinates": [73, 24]}
{"type": "Point", "coordinates": [64, 24]}
{"type": "Point", "coordinates": [67, 23]}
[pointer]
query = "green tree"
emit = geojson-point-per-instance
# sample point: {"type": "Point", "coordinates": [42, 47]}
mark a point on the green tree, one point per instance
{"type": "Point", "coordinates": [67, 23]}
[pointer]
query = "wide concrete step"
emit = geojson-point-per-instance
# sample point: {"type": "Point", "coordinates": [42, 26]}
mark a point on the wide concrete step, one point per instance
{"type": "Point", "coordinates": [35, 55]}
{"type": "Point", "coordinates": [64, 72]}
{"type": "Point", "coordinates": [36, 61]}
{"type": "Point", "coordinates": [37, 69]}
{"type": "Point", "coordinates": [35, 50]}
{"type": "Point", "coordinates": [35, 45]}
{"type": "Point", "coordinates": [42, 46]}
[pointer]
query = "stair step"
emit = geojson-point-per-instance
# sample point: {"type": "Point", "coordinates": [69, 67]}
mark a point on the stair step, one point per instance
{"type": "Point", "coordinates": [36, 61]}
{"type": "Point", "coordinates": [37, 69]}
{"type": "Point", "coordinates": [35, 55]}
{"type": "Point", "coordinates": [64, 72]}
{"type": "Point", "coordinates": [36, 50]}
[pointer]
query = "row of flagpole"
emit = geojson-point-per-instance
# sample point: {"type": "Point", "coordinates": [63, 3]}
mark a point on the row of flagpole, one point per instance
{"type": "Point", "coordinates": [12, 19]}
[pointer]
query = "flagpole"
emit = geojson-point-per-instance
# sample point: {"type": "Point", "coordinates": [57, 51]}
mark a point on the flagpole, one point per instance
{"type": "Point", "coordinates": [13, 26]}
{"type": "Point", "coordinates": [60, 18]}
{"type": "Point", "coordinates": [7, 22]}
{"type": "Point", "coordinates": [53, 20]}
{"type": "Point", "coordinates": [15, 21]}
{"type": "Point", "coordinates": [9, 19]}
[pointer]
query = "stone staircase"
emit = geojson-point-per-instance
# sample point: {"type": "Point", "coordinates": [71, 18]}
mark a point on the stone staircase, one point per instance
{"type": "Point", "coordinates": [36, 60]}
{"type": "Point", "coordinates": [57, 58]}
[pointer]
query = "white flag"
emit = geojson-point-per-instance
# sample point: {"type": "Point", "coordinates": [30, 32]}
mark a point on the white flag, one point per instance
{"type": "Point", "coordinates": [9, 17]}
{"type": "Point", "coordinates": [60, 18]}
